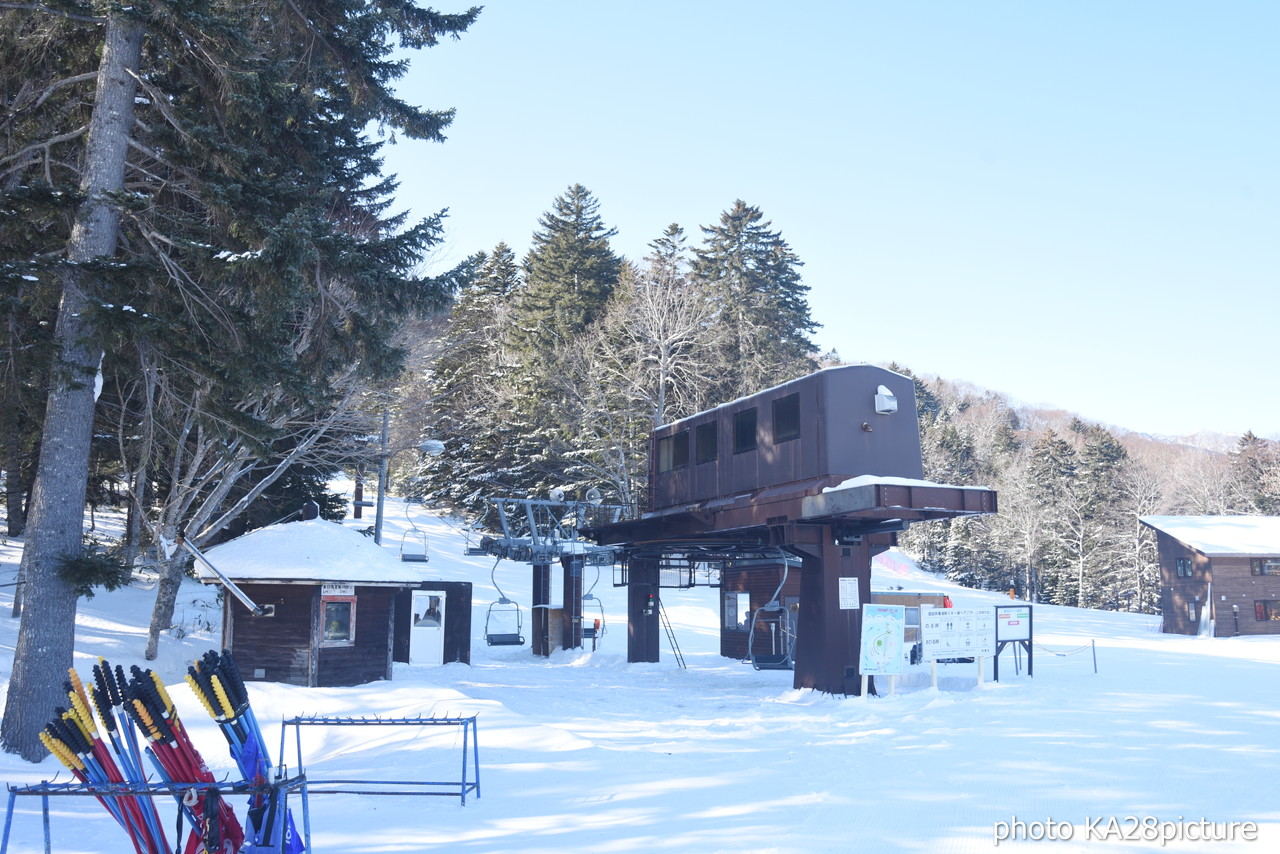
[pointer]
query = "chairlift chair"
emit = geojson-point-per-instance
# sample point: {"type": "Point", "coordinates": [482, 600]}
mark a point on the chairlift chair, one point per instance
{"type": "Point", "coordinates": [413, 547]}
{"type": "Point", "coordinates": [595, 630]}
{"type": "Point", "coordinates": [592, 625]}
{"type": "Point", "coordinates": [502, 607]}
{"type": "Point", "coordinates": [514, 638]}
{"type": "Point", "coordinates": [782, 641]}
{"type": "Point", "coordinates": [413, 542]}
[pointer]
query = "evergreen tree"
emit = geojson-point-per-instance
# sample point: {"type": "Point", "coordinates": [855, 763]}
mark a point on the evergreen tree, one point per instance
{"type": "Point", "coordinates": [472, 391]}
{"type": "Point", "coordinates": [1053, 474]}
{"type": "Point", "coordinates": [1098, 523]}
{"type": "Point", "coordinates": [236, 232]}
{"type": "Point", "coordinates": [754, 278]}
{"type": "Point", "coordinates": [570, 273]}
{"type": "Point", "coordinates": [1254, 466]}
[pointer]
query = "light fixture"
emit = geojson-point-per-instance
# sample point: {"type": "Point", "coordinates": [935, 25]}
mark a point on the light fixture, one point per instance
{"type": "Point", "coordinates": [886, 403]}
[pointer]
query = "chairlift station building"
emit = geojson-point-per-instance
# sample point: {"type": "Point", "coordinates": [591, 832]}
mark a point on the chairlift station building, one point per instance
{"type": "Point", "coordinates": [822, 472]}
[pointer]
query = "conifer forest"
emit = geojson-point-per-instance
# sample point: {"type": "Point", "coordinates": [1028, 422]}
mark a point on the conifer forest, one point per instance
{"type": "Point", "coordinates": [209, 304]}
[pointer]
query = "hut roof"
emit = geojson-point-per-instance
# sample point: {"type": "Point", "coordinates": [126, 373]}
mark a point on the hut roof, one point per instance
{"type": "Point", "coordinates": [1221, 536]}
{"type": "Point", "coordinates": [314, 550]}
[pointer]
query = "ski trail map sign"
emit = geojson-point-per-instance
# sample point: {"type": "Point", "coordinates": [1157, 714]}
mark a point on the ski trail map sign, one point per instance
{"type": "Point", "coordinates": [882, 631]}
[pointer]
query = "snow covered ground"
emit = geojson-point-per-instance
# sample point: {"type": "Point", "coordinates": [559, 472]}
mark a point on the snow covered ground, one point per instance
{"type": "Point", "coordinates": [1172, 736]}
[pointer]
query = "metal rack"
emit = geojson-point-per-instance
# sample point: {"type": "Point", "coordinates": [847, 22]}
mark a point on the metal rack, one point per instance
{"type": "Point", "coordinates": [451, 788]}
{"type": "Point", "coordinates": [178, 790]}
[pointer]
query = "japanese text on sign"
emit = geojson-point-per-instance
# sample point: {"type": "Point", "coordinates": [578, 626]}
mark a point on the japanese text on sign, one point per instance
{"type": "Point", "coordinates": [1013, 623]}
{"type": "Point", "coordinates": [957, 632]}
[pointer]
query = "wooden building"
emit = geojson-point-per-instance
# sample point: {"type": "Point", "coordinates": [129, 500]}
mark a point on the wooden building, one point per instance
{"type": "Point", "coordinates": [333, 595]}
{"type": "Point", "coordinates": [1222, 571]}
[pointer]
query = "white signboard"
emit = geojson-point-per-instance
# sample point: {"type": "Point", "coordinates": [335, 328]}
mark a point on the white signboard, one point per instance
{"type": "Point", "coordinates": [1013, 623]}
{"type": "Point", "coordinates": [848, 594]}
{"type": "Point", "coordinates": [882, 629]}
{"type": "Point", "coordinates": [337, 589]}
{"type": "Point", "coordinates": [957, 632]}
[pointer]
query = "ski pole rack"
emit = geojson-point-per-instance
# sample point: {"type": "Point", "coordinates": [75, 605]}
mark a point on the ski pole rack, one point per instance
{"type": "Point", "coordinates": [469, 782]}
{"type": "Point", "coordinates": [177, 790]}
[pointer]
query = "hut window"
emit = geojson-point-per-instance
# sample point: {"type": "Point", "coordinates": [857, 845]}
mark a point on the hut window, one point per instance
{"type": "Point", "coordinates": [1184, 567]}
{"type": "Point", "coordinates": [1191, 611]}
{"type": "Point", "coordinates": [744, 431]}
{"type": "Point", "coordinates": [673, 451]}
{"type": "Point", "coordinates": [786, 418]}
{"type": "Point", "coordinates": [1265, 565]}
{"type": "Point", "coordinates": [1267, 609]}
{"type": "Point", "coordinates": [339, 613]}
{"type": "Point", "coordinates": [705, 443]}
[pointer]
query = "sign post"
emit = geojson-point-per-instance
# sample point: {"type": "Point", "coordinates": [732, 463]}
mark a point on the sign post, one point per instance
{"type": "Point", "coordinates": [956, 633]}
{"type": "Point", "coordinates": [883, 627]}
{"type": "Point", "coordinates": [1013, 625]}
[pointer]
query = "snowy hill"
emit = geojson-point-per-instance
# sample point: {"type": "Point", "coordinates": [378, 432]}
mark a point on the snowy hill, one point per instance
{"type": "Point", "coordinates": [584, 752]}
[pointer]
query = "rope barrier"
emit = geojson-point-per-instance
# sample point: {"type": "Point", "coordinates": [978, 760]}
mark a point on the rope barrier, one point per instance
{"type": "Point", "coordinates": [1063, 654]}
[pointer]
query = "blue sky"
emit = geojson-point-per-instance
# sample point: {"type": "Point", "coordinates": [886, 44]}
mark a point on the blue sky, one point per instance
{"type": "Point", "coordinates": [1074, 204]}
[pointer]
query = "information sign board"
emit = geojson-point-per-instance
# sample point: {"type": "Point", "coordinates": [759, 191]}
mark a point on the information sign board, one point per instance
{"type": "Point", "coordinates": [848, 594]}
{"type": "Point", "coordinates": [882, 631]}
{"type": "Point", "coordinates": [957, 632]}
{"type": "Point", "coordinates": [1013, 623]}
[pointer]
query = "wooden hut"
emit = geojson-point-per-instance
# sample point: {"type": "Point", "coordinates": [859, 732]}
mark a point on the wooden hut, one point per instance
{"type": "Point", "coordinates": [332, 593]}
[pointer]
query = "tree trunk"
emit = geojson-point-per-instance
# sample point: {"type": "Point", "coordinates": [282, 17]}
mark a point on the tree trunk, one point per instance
{"type": "Point", "coordinates": [16, 513]}
{"type": "Point", "coordinates": [46, 633]}
{"type": "Point", "coordinates": [138, 499]}
{"type": "Point", "coordinates": [172, 571]}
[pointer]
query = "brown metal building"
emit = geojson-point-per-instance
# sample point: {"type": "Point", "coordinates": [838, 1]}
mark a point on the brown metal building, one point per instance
{"type": "Point", "coordinates": [823, 470]}
{"type": "Point", "coordinates": [333, 596]}
{"type": "Point", "coordinates": [1223, 570]}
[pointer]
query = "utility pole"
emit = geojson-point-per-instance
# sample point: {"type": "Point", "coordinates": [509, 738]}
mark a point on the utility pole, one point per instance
{"type": "Point", "coordinates": [382, 475]}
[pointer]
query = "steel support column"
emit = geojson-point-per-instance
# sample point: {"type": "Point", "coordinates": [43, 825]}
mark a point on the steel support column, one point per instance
{"type": "Point", "coordinates": [572, 622]}
{"type": "Point", "coordinates": [540, 621]}
{"type": "Point", "coordinates": [828, 639]}
{"type": "Point", "coordinates": [643, 629]}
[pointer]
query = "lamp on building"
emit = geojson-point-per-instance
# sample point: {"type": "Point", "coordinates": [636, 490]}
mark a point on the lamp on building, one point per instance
{"type": "Point", "coordinates": [886, 403]}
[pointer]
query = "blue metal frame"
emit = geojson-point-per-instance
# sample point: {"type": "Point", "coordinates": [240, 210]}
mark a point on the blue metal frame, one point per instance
{"type": "Point", "coordinates": [176, 789]}
{"type": "Point", "coordinates": [458, 788]}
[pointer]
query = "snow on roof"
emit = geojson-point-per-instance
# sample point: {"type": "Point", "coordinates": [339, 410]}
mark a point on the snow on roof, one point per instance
{"type": "Point", "coordinates": [314, 550]}
{"type": "Point", "coordinates": [1222, 535]}
{"type": "Point", "coordinates": [822, 370]}
{"type": "Point", "coordinates": [870, 479]}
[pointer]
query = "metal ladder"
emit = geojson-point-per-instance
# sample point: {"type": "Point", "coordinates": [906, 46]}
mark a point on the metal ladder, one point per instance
{"type": "Point", "coordinates": [671, 635]}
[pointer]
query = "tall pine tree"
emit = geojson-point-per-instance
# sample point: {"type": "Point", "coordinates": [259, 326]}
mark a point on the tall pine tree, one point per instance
{"type": "Point", "coordinates": [472, 390]}
{"type": "Point", "coordinates": [570, 273]}
{"type": "Point", "coordinates": [754, 277]}
{"type": "Point", "coordinates": [236, 231]}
